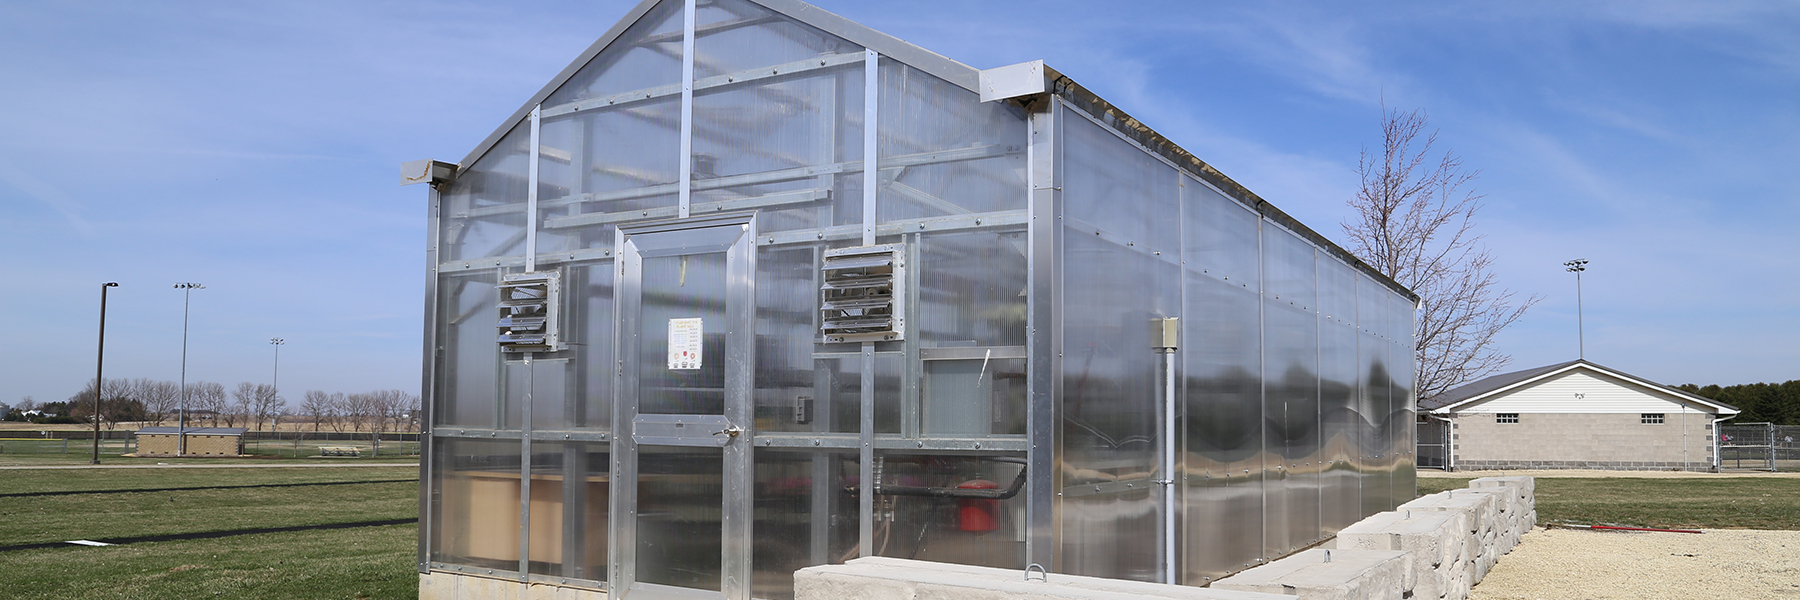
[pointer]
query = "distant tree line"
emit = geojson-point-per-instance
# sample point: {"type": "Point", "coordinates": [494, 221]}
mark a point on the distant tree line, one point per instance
{"type": "Point", "coordinates": [255, 406]}
{"type": "Point", "coordinates": [1777, 403]}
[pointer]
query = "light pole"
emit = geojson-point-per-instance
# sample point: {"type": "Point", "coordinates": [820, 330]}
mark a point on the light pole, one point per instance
{"type": "Point", "coordinates": [187, 288]}
{"type": "Point", "coordinates": [276, 384]}
{"type": "Point", "coordinates": [99, 365]}
{"type": "Point", "coordinates": [1577, 266]}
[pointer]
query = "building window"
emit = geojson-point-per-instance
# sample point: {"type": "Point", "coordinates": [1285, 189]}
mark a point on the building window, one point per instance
{"type": "Point", "coordinates": [1651, 418]}
{"type": "Point", "coordinates": [1506, 417]}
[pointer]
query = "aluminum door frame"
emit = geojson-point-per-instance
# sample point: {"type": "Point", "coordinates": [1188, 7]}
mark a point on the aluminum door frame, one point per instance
{"type": "Point", "coordinates": [736, 238]}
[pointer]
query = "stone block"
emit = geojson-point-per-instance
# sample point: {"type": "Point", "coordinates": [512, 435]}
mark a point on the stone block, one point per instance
{"type": "Point", "coordinates": [1350, 575]}
{"type": "Point", "coordinates": [1433, 537]}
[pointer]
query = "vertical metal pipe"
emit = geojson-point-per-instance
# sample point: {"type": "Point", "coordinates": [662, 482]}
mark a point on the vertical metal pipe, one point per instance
{"type": "Point", "coordinates": [99, 364]}
{"type": "Point", "coordinates": [685, 184]}
{"type": "Point", "coordinates": [1170, 449]}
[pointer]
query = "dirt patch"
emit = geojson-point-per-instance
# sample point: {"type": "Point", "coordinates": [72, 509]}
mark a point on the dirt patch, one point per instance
{"type": "Point", "coordinates": [1568, 563]}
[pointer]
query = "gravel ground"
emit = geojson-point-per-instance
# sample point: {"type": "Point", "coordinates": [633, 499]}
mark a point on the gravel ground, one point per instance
{"type": "Point", "coordinates": [1571, 564]}
{"type": "Point", "coordinates": [1434, 473]}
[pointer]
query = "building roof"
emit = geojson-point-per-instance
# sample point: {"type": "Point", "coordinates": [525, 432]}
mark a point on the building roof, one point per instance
{"type": "Point", "coordinates": [1487, 388]}
{"type": "Point", "coordinates": [192, 430]}
{"type": "Point", "coordinates": [968, 78]}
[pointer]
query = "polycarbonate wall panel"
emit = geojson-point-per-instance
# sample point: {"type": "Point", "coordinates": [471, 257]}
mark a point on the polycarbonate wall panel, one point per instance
{"type": "Point", "coordinates": [1339, 391]}
{"type": "Point", "coordinates": [1372, 355]}
{"type": "Point", "coordinates": [468, 359]}
{"type": "Point", "coordinates": [971, 532]}
{"type": "Point", "coordinates": [804, 516]}
{"type": "Point", "coordinates": [732, 36]}
{"type": "Point", "coordinates": [753, 132]}
{"type": "Point", "coordinates": [568, 510]}
{"type": "Point", "coordinates": [943, 151]}
{"type": "Point", "coordinates": [476, 483]}
{"type": "Point", "coordinates": [483, 213]}
{"type": "Point", "coordinates": [604, 166]}
{"type": "Point", "coordinates": [647, 56]}
{"type": "Point", "coordinates": [588, 292]}
{"type": "Point", "coordinates": [1291, 391]}
{"type": "Point", "coordinates": [788, 376]}
{"type": "Point", "coordinates": [1120, 271]}
{"type": "Point", "coordinates": [1404, 404]}
{"type": "Point", "coordinates": [1221, 357]}
{"type": "Point", "coordinates": [969, 291]}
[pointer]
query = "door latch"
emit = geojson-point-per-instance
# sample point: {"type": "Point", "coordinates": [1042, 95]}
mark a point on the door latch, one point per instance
{"type": "Point", "coordinates": [732, 431]}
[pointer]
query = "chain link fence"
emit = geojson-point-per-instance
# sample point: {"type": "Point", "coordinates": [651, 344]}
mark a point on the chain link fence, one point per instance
{"type": "Point", "coordinates": [291, 444]}
{"type": "Point", "coordinates": [1759, 447]}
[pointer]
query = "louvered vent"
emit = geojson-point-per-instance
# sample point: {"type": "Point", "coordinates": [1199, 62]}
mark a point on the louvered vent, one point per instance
{"type": "Point", "coordinates": [863, 298]}
{"type": "Point", "coordinates": [528, 307]}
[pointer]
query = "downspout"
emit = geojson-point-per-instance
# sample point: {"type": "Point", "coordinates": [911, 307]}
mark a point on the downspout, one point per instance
{"type": "Point", "coordinates": [1449, 443]}
{"type": "Point", "coordinates": [1715, 440]}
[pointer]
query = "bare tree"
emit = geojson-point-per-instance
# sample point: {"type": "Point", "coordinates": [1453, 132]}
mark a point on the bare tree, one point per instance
{"type": "Point", "coordinates": [339, 406]}
{"type": "Point", "coordinates": [357, 408]}
{"type": "Point", "coordinates": [316, 405]}
{"type": "Point", "coordinates": [208, 398]}
{"type": "Point", "coordinates": [269, 405]}
{"type": "Point", "coordinates": [243, 404]}
{"type": "Point", "coordinates": [160, 398]}
{"type": "Point", "coordinates": [1415, 222]}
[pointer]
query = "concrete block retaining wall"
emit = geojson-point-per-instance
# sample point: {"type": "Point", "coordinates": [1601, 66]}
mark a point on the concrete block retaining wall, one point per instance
{"type": "Point", "coordinates": [1445, 543]}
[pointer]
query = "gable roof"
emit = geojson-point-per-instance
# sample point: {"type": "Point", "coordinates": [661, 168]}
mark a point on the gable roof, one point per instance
{"type": "Point", "coordinates": [968, 78]}
{"type": "Point", "coordinates": [1486, 388]}
{"type": "Point", "coordinates": [936, 64]}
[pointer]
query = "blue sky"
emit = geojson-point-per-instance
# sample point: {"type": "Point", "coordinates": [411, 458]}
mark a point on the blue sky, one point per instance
{"type": "Point", "coordinates": [254, 147]}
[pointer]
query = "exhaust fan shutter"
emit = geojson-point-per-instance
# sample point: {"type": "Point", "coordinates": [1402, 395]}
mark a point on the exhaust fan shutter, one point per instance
{"type": "Point", "coordinates": [528, 307]}
{"type": "Point", "coordinates": [863, 298]}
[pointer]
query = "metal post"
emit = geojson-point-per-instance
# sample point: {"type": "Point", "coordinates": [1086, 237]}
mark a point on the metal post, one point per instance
{"type": "Point", "coordinates": [187, 295]}
{"type": "Point", "coordinates": [275, 382]}
{"type": "Point", "coordinates": [1577, 266]}
{"type": "Point", "coordinates": [866, 457]}
{"type": "Point", "coordinates": [1043, 335]}
{"type": "Point", "coordinates": [99, 363]}
{"type": "Point", "coordinates": [684, 191]}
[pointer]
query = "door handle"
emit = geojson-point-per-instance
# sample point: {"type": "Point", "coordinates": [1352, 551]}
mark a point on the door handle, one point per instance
{"type": "Point", "coordinates": [732, 431]}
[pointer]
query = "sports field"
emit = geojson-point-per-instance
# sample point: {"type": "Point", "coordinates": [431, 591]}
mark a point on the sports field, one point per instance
{"type": "Point", "coordinates": [266, 532]}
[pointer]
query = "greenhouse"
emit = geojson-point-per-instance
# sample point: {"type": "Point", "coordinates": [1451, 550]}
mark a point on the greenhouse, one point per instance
{"type": "Point", "coordinates": [749, 287]}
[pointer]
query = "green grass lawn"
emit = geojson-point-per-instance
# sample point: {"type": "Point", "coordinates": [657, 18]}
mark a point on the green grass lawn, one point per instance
{"type": "Point", "coordinates": [364, 562]}
{"type": "Point", "coordinates": [35, 453]}
{"type": "Point", "coordinates": [1689, 503]}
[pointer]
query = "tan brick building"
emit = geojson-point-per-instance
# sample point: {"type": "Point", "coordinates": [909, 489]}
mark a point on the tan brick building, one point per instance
{"type": "Point", "coordinates": [1573, 415]}
{"type": "Point", "coordinates": [201, 441]}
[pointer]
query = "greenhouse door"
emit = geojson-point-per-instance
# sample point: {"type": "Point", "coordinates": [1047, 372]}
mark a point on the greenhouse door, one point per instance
{"type": "Point", "coordinates": [682, 480]}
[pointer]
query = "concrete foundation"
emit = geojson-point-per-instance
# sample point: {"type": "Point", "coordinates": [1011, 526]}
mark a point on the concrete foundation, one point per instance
{"type": "Point", "coordinates": [877, 578]}
{"type": "Point", "coordinates": [439, 585]}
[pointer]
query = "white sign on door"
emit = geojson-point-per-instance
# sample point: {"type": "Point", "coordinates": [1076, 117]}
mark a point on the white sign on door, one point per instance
{"type": "Point", "coordinates": [685, 336]}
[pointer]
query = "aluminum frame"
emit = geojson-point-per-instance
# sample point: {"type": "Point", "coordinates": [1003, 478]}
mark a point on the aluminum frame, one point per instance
{"type": "Point", "coordinates": [733, 235]}
{"type": "Point", "coordinates": [1042, 220]}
